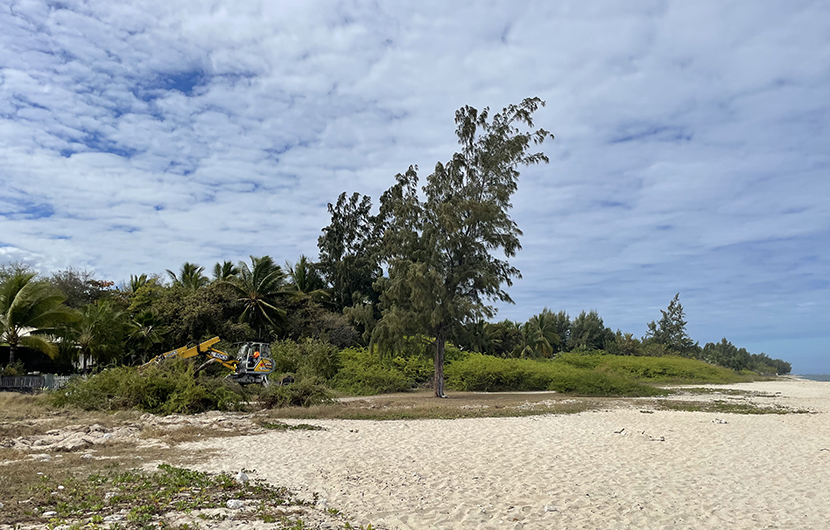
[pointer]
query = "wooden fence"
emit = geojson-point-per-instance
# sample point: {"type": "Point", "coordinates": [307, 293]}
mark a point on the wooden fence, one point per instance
{"type": "Point", "coordinates": [33, 383]}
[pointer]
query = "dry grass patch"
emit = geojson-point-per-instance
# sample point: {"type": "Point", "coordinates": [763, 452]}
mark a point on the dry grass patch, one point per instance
{"type": "Point", "coordinates": [120, 486]}
{"type": "Point", "coordinates": [191, 433]}
{"type": "Point", "coordinates": [15, 406]}
{"type": "Point", "coordinates": [423, 405]}
{"type": "Point", "coordinates": [726, 407]}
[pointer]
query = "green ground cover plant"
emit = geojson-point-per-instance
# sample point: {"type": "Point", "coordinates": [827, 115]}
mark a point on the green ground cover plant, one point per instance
{"type": "Point", "coordinates": [726, 407]}
{"type": "Point", "coordinates": [139, 499]}
{"type": "Point", "coordinates": [282, 426]}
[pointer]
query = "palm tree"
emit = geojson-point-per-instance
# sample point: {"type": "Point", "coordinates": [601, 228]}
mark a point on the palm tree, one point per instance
{"type": "Point", "coordinates": [30, 310]}
{"type": "Point", "coordinates": [137, 282]}
{"type": "Point", "coordinates": [541, 337]}
{"type": "Point", "coordinates": [190, 276]}
{"type": "Point", "coordinates": [304, 279]}
{"type": "Point", "coordinates": [258, 287]}
{"type": "Point", "coordinates": [478, 338]}
{"type": "Point", "coordinates": [146, 329]}
{"type": "Point", "coordinates": [224, 271]}
{"type": "Point", "coordinates": [99, 334]}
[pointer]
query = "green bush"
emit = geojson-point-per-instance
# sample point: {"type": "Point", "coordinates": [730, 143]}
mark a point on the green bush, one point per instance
{"type": "Point", "coordinates": [307, 358]}
{"type": "Point", "coordinates": [14, 369]}
{"type": "Point", "coordinates": [486, 373]}
{"type": "Point", "coordinates": [669, 369]}
{"type": "Point", "coordinates": [304, 393]}
{"type": "Point", "coordinates": [364, 373]}
{"type": "Point", "coordinates": [598, 382]}
{"type": "Point", "coordinates": [415, 360]}
{"type": "Point", "coordinates": [418, 369]}
{"type": "Point", "coordinates": [169, 388]}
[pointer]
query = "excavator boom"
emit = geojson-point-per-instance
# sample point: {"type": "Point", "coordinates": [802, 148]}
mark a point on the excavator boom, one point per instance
{"type": "Point", "coordinates": [184, 352]}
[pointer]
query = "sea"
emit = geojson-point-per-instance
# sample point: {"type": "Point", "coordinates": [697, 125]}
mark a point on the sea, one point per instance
{"type": "Point", "coordinates": [815, 377]}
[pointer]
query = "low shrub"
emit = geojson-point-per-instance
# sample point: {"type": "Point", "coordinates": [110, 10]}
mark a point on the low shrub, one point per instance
{"type": "Point", "coordinates": [304, 393]}
{"type": "Point", "coordinates": [363, 373]}
{"type": "Point", "coordinates": [488, 374]}
{"type": "Point", "coordinates": [13, 369]}
{"type": "Point", "coordinates": [169, 388]}
{"type": "Point", "coordinates": [669, 369]}
{"type": "Point", "coordinates": [307, 358]}
{"type": "Point", "coordinates": [598, 382]}
{"type": "Point", "coordinates": [418, 369]}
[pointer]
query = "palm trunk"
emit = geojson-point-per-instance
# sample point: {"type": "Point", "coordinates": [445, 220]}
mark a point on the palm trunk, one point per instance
{"type": "Point", "coordinates": [439, 366]}
{"type": "Point", "coordinates": [12, 351]}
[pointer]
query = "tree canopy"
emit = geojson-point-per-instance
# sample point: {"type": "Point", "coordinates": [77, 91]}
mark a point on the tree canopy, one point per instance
{"type": "Point", "coordinates": [439, 250]}
{"type": "Point", "coordinates": [29, 310]}
{"type": "Point", "coordinates": [670, 330]}
{"type": "Point", "coordinates": [349, 251]}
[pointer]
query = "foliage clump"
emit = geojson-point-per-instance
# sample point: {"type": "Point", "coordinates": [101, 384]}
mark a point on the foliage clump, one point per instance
{"type": "Point", "coordinates": [169, 388]}
{"type": "Point", "coordinates": [306, 358]}
{"type": "Point", "coordinates": [13, 369]}
{"type": "Point", "coordinates": [364, 373]}
{"type": "Point", "coordinates": [303, 393]}
{"type": "Point", "coordinates": [490, 374]}
{"type": "Point", "coordinates": [669, 369]}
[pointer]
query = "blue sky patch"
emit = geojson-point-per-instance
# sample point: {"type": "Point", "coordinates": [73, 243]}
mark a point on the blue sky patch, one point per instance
{"type": "Point", "coordinates": [29, 210]}
{"type": "Point", "coordinates": [681, 163]}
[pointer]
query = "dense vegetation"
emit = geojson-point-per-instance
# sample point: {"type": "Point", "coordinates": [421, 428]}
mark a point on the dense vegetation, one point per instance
{"type": "Point", "coordinates": [392, 298]}
{"type": "Point", "coordinates": [320, 369]}
{"type": "Point", "coordinates": [116, 328]}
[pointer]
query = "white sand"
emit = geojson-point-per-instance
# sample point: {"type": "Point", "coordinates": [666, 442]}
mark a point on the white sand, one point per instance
{"type": "Point", "coordinates": [568, 471]}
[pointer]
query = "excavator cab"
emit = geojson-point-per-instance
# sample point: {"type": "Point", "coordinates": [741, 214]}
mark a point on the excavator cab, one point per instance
{"type": "Point", "coordinates": [255, 363]}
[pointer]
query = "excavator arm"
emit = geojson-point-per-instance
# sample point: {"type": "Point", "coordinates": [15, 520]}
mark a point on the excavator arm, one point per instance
{"type": "Point", "coordinates": [186, 352]}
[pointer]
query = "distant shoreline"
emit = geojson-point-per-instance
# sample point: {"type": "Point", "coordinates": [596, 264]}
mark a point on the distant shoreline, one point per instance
{"type": "Point", "coordinates": [814, 377]}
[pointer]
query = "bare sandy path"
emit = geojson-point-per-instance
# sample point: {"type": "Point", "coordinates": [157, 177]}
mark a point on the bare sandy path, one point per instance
{"type": "Point", "coordinates": [609, 469]}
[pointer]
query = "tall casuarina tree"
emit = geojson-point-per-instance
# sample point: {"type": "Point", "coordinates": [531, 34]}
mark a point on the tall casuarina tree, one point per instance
{"type": "Point", "coordinates": [439, 249]}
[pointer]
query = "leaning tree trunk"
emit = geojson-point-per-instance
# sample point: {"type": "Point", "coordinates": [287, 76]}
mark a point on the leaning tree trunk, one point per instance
{"type": "Point", "coordinates": [439, 366]}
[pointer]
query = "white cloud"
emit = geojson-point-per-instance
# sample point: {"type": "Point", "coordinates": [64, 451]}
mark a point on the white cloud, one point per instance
{"type": "Point", "coordinates": [690, 154]}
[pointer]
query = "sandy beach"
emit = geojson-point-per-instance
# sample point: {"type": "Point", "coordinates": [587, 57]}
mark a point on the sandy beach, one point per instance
{"type": "Point", "coordinates": [629, 467]}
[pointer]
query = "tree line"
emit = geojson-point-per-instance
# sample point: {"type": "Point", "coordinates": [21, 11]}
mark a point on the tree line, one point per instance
{"type": "Point", "coordinates": [548, 334]}
{"type": "Point", "coordinates": [429, 262]}
{"type": "Point", "coordinates": [72, 316]}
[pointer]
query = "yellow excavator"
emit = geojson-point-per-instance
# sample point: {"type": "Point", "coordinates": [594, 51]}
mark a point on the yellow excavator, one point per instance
{"type": "Point", "coordinates": [251, 366]}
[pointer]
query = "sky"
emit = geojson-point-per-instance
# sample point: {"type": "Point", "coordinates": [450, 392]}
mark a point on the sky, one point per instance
{"type": "Point", "coordinates": [692, 150]}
